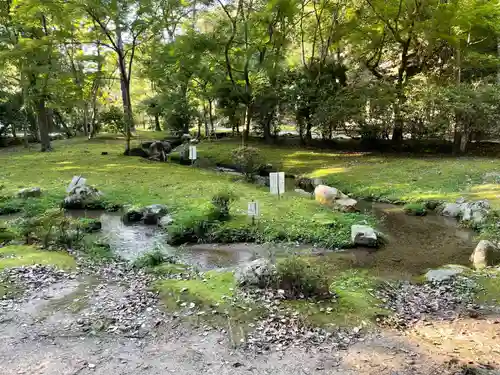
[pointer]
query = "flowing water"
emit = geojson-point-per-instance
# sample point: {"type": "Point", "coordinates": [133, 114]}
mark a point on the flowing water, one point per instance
{"type": "Point", "coordinates": [414, 243]}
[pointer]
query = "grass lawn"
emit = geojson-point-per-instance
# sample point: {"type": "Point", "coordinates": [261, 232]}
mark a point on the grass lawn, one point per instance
{"type": "Point", "coordinates": [17, 255]}
{"type": "Point", "coordinates": [374, 175]}
{"type": "Point", "coordinates": [187, 191]}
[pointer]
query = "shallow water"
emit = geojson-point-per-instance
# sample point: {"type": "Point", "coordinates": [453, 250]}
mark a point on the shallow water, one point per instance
{"type": "Point", "coordinates": [415, 243]}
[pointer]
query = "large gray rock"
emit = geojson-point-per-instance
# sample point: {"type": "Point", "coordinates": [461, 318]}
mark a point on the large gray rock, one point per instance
{"type": "Point", "coordinates": [445, 273]}
{"type": "Point", "coordinates": [165, 221]}
{"type": "Point", "coordinates": [33, 192]}
{"type": "Point", "coordinates": [485, 254]}
{"type": "Point", "coordinates": [259, 273]}
{"type": "Point", "coordinates": [133, 214]}
{"type": "Point", "coordinates": [363, 235]}
{"type": "Point", "coordinates": [153, 213]}
{"type": "Point", "coordinates": [346, 204]}
{"type": "Point", "coordinates": [470, 212]}
{"type": "Point", "coordinates": [84, 196]}
{"type": "Point", "coordinates": [452, 209]}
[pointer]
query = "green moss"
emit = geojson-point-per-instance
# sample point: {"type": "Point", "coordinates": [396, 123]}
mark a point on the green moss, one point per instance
{"type": "Point", "coordinates": [16, 256]}
{"type": "Point", "coordinates": [373, 175]}
{"type": "Point", "coordinates": [168, 269]}
{"type": "Point", "coordinates": [356, 302]}
{"type": "Point", "coordinates": [415, 208]}
{"type": "Point", "coordinates": [488, 283]}
{"type": "Point", "coordinates": [212, 290]}
{"type": "Point", "coordinates": [186, 191]}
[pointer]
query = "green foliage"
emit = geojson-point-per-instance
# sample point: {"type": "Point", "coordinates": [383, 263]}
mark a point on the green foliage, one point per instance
{"type": "Point", "coordinates": [416, 209]}
{"type": "Point", "coordinates": [153, 259]}
{"type": "Point", "coordinates": [222, 202]}
{"type": "Point", "coordinates": [248, 159]}
{"type": "Point", "coordinates": [301, 279]}
{"type": "Point", "coordinates": [16, 256]}
{"type": "Point", "coordinates": [113, 120]}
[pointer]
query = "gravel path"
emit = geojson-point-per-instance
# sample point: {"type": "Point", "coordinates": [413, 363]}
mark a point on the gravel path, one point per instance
{"type": "Point", "coordinates": [74, 324]}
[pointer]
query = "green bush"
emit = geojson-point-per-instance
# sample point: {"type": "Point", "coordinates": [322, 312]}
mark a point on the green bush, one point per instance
{"type": "Point", "coordinates": [300, 279]}
{"type": "Point", "coordinates": [153, 259]}
{"type": "Point", "coordinates": [222, 202]}
{"type": "Point", "coordinates": [415, 209]}
{"type": "Point", "coordinates": [248, 159]}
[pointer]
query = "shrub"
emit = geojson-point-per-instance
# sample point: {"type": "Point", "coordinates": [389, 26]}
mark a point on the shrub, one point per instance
{"type": "Point", "coordinates": [222, 202]}
{"type": "Point", "coordinates": [50, 228]}
{"type": "Point", "coordinates": [153, 258]}
{"type": "Point", "coordinates": [416, 209]}
{"type": "Point", "coordinates": [248, 159]}
{"type": "Point", "coordinates": [300, 279]}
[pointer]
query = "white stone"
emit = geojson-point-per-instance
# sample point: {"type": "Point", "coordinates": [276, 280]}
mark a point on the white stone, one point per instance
{"type": "Point", "coordinates": [363, 235]}
{"type": "Point", "coordinates": [258, 273]}
{"type": "Point", "coordinates": [303, 193]}
{"type": "Point", "coordinates": [485, 254]}
{"type": "Point", "coordinates": [452, 210]}
{"type": "Point", "coordinates": [326, 194]}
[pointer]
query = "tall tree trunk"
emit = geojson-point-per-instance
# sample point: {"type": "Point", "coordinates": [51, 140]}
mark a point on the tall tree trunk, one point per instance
{"type": "Point", "coordinates": [43, 125]}
{"type": "Point", "coordinates": [157, 122]}
{"type": "Point", "coordinates": [125, 88]}
{"type": "Point", "coordinates": [211, 117]}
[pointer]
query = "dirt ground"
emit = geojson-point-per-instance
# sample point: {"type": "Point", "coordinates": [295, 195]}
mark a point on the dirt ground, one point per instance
{"type": "Point", "coordinates": [37, 338]}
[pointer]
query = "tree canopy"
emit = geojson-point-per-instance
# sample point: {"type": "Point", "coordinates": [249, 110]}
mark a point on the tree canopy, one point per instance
{"type": "Point", "coordinates": [377, 69]}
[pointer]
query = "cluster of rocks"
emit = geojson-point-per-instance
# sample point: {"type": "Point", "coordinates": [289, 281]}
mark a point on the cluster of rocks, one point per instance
{"type": "Point", "coordinates": [151, 215]}
{"type": "Point", "coordinates": [83, 196]}
{"type": "Point", "coordinates": [29, 279]}
{"type": "Point", "coordinates": [474, 213]}
{"type": "Point", "coordinates": [445, 300]}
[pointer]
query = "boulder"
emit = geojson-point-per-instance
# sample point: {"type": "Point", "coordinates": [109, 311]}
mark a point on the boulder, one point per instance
{"type": "Point", "coordinates": [326, 194]}
{"type": "Point", "coordinates": [133, 215]}
{"type": "Point", "coordinates": [165, 221]}
{"type": "Point", "coordinates": [363, 235]}
{"type": "Point", "coordinates": [259, 273]}
{"type": "Point", "coordinates": [485, 254]}
{"type": "Point", "coordinates": [346, 204]}
{"type": "Point", "coordinates": [303, 193]}
{"type": "Point", "coordinates": [445, 273]}
{"type": "Point", "coordinates": [452, 209]}
{"type": "Point", "coordinates": [152, 214]}
{"type": "Point", "coordinates": [83, 196]}
{"type": "Point", "coordinates": [33, 192]}
{"type": "Point", "coordinates": [475, 212]}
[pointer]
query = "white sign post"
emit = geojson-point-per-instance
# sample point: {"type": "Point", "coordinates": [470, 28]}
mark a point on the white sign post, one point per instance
{"type": "Point", "coordinates": [76, 182]}
{"type": "Point", "coordinates": [253, 210]}
{"type": "Point", "coordinates": [192, 153]}
{"type": "Point", "coordinates": [277, 183]}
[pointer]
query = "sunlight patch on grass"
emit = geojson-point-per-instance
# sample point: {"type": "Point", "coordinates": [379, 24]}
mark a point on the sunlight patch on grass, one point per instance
{"type": "Point", "coordinates": [327, 171]}
{"type": "Point", "coordinates": [16, 256]}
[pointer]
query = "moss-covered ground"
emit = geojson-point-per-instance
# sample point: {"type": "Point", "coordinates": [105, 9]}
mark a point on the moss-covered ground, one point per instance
{"type": "Point", "coordinates": [187, 191]}
{"type": "Point", "coordinates": [394, 177]}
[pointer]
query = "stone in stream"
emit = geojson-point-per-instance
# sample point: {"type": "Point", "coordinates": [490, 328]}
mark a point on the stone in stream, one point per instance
{"type": "Point", "coordinates": [363, 235]}
{"type": "Point", "coordinates": [84, 196]}
{"type": "Point", "coordinates": [259, 273]}
{"type": "Point", "coordinates": [33, 192]}
{"type": "Point", "coordinates": [485, 254]}
{"type": "Point", "coordinates": [165, 221]}
{"type": "Point", "coordinates": [153, 213]}
{"type": "Point", "coordinates": [451, 209]}
{"type": "Point", "coordinates": [469, 212]}
{"type": "Point", "coordinates": [132, 215]}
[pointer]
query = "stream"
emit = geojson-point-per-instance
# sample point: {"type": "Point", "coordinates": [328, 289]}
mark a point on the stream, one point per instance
{"type": "Point", "coordinates": [415, 243]}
